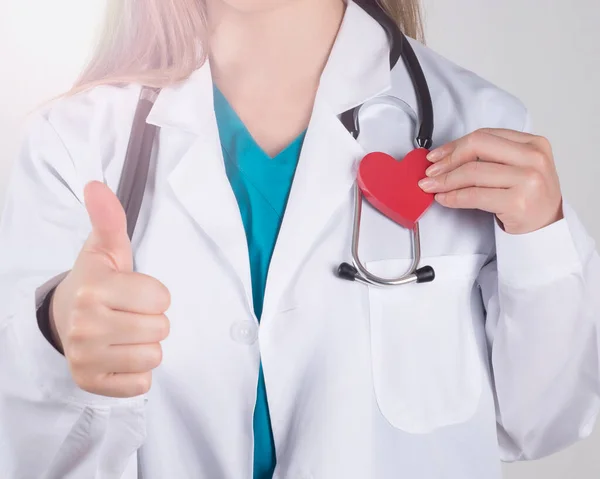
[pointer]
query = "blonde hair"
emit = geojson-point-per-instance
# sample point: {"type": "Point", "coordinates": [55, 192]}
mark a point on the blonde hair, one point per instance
{"type": "Point", "coordinates": [159, 42]}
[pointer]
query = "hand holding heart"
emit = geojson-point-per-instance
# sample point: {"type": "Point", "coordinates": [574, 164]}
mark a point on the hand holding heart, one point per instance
{"type": "Point", "coordinates": [505, 172]}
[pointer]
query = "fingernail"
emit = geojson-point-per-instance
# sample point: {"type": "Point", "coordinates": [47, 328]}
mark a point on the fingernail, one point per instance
{"type": "Point", "coordinates": [434, 170]}
{"type": "Point", "coordinates": [435, 155]}
{"type": "Point", "coordinates": [427, 184]}
{"type": "Point", "coordinates": [440, 197]}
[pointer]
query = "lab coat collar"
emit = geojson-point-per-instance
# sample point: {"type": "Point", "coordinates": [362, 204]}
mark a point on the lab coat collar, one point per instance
{"type": "Point", "coordinates": [357, 70]}
{"type": "Point", "coordinates": [187, 105]}
{"type": "Point", "coordinates": [185, 113]}
{"type": "Point", "coordinates": [358, 67]}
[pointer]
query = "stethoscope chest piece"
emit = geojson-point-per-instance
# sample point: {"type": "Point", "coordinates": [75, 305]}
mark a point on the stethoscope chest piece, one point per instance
{"type": "Point", "coordinates": [391, 187]}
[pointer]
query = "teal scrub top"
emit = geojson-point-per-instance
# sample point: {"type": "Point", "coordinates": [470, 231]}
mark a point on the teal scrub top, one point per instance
{"type": "Point", "coordinates": [261, 185]}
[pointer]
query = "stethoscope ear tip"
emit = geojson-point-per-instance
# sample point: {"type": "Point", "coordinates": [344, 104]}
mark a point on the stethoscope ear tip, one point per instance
{"type": "Point", "coordinates": [347, 271]}
{"type": "Point", "coordinates": [426, 274]}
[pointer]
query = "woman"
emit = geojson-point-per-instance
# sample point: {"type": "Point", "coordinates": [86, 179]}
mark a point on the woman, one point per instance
{"type": "Point", "coordinates": [495, 359]}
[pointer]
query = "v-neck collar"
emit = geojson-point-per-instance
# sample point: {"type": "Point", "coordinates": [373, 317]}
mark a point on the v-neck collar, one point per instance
{"type": "Point", "coordinates": [235, 135]}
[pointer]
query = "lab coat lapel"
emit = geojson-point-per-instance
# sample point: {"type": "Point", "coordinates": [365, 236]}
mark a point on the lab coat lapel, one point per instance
{"type": "Point", "coordinates": [357, 70]}
{"type": "Point", "coordinates": [198, 177]}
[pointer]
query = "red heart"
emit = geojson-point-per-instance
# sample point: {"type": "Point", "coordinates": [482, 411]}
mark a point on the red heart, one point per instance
{"type": "Point", "coordinates": [392, 186]}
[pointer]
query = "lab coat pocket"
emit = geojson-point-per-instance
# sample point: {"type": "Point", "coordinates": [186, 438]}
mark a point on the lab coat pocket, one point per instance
{"type": "Point", "coordinates": [426, 368]}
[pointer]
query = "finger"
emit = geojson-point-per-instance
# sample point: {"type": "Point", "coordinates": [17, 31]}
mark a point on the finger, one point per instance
{"type": "Point", "coordinates": [130, 328]}
{"type": "Point", "coordinates": [539, 142]}
{"type": "Point", "coordinates": [474, 173]}
{"type": "Point", "coordinates": [109, 225]}
{"type": "Point", "coordinates": [134, 293]}
{"type": "Point", "coordinates": [484, 147]}
{"type": "Point", "coordinates": [131, 358]}
{"type": "Point", "coordinates": [124, 385]}
{"type": "Point", "coordinates": [512, 135]}
{"type": "Point", "coordinates": [492, 200]}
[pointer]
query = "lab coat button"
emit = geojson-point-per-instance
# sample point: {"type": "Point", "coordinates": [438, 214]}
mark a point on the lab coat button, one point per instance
{"type": "Point", "coordinates": [244, 332]}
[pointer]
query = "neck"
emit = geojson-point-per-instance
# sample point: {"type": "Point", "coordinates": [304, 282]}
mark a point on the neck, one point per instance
{"type": "Point", "coordinates": [289, 42]}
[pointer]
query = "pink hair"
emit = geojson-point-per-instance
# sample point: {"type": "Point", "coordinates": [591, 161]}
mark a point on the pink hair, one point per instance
{"type": "Point", "coordinates": [160, 42]}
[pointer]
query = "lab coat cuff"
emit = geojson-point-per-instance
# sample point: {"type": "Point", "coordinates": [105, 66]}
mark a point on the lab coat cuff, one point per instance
{"type": "Point", "coordinates": [536, 258]}
{"type": "Point", "coordinates": [47, 369]}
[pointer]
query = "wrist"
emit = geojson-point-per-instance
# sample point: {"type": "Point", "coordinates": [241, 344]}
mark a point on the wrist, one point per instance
{"type": "Point", "coordinates": [551, 218]}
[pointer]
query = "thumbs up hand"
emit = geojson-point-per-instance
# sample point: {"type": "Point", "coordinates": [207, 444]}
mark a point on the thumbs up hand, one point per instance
{"type": "Point", "coordinates": [108, 320]}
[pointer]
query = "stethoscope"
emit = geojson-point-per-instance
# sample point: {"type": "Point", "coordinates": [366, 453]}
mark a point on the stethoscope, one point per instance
{"type": "Point", "coordinates": [139, 152]}
{"type": "Point", "coordinates": [399, 47]}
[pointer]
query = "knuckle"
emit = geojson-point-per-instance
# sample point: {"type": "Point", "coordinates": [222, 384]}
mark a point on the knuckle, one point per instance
{"type": "Point", "coordinates": [155, 356]}
{"type": "Point", "coordinates": [451, 198]}
{"type": "Point", "coordinates": [85, 296]}
{"type": "Point", "coordinates": [454, 158]}
{"type": "Point", "coordinates": [164, 327]}
{"type": "Point", "coordinates": [157, 294]}
{"type": "Point", "coordinates": [534, 180]}
{"type": "Point", "coordinates": [163, 297]}
{"type": "Point", "coordinates": [446, 179]}
{"type": "Point", "coordinates": [143, 360]}
{"type": "Point", "coordinates": [543, 143]}
{"type": "Point", "coordinates": [474, 137]}
{"type": "Point", "coordinates": [79, 328]}
{"type": "Point", "coordinates": [141, 384]}
{"type": "Point", "coordinates": [538, 158]}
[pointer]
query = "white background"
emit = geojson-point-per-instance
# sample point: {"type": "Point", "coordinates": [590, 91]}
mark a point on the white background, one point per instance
{"type": "Point", "coordinates": [547, 52]}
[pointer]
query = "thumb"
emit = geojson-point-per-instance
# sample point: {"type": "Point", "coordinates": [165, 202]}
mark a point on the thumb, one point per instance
{"type": "Point", "coordinates": [109, 226]}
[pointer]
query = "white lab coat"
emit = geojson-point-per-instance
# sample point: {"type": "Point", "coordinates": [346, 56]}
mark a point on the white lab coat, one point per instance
{"type": "Point", "coordinates": [497, 358]}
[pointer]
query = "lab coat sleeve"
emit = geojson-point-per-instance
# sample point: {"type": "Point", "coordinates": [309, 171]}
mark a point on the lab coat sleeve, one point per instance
{"type": "Point", "coordinates": [49, 428]}
{"type": "Point", "coordinates": [542, 297]}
